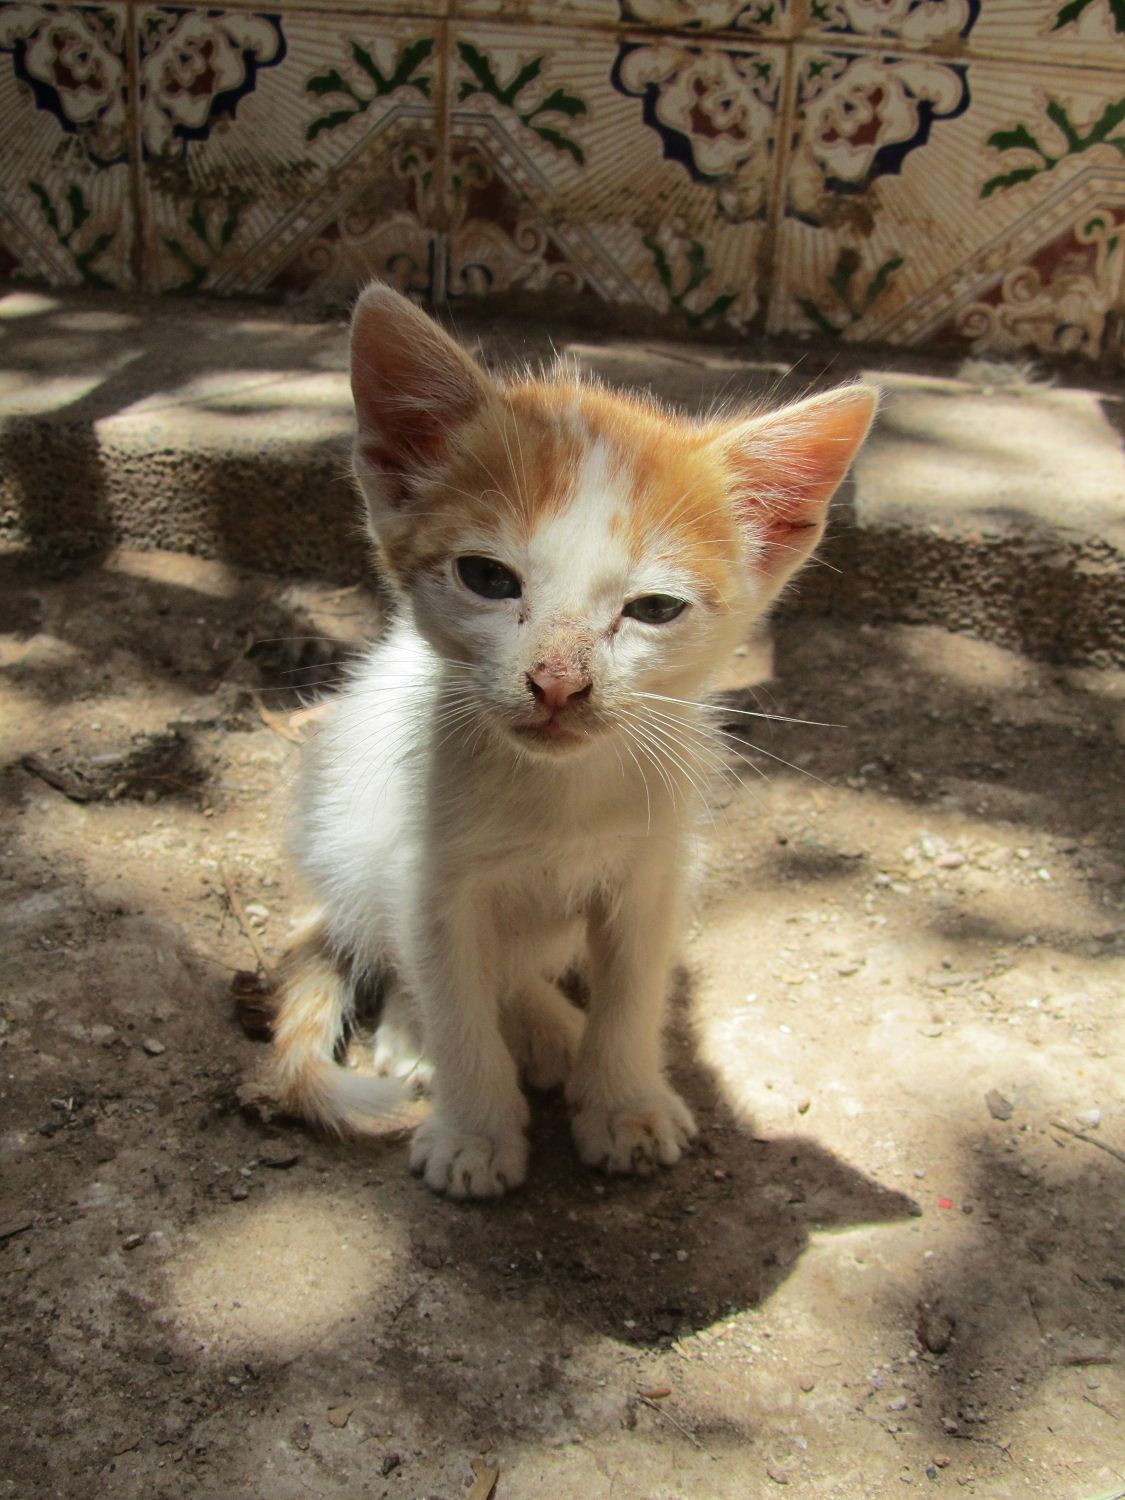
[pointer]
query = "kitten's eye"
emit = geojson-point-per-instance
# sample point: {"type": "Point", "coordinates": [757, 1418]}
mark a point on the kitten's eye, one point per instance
{"type": "Point", "coordinates": [655, 609]}
{"type": "Point", "coordinates": [488, 578]}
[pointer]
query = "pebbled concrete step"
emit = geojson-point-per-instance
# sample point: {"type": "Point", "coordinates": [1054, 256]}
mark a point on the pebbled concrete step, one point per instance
{"type": "Point", "coordinates": [986, 501]}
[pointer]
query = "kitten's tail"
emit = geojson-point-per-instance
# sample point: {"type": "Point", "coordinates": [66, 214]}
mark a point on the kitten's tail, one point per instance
{"type": "Point", "coordinates": [303, 1076]}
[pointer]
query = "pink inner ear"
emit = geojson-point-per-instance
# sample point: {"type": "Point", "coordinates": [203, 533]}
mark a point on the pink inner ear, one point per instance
{"type": "Point", "coordinates": [788, 466]}
{"type": "Point", "coordinates": [412, 386]}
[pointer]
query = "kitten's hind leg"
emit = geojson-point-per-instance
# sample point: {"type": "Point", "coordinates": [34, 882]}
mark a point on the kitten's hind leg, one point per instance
{"type": "Point", "coordinates": [314, 1008]}
{"type": "Point", "coordinates": [543, 1032]}
{"type": "Point", "coordinates": [399, 1051]}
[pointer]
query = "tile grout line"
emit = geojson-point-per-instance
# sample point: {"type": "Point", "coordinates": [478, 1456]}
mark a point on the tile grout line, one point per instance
{"type": "Point", "coordinates": [439, 278]}
{"type": "Point", "coordinates": [137, 194]}
{"type": "Point", "coordinates": [779, 171]}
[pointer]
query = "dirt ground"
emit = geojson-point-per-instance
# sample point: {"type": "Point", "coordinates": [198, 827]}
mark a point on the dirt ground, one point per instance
{"type": "Point", "coordinates": [895, 1258]}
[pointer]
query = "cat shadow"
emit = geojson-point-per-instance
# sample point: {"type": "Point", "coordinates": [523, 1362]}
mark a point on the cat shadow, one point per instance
{"type": "Point", "coordinates": [647, 1260]}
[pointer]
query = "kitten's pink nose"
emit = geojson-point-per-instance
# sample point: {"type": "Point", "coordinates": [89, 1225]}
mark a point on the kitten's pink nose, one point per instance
{"type": "Point", "coordinates": [557, 688]}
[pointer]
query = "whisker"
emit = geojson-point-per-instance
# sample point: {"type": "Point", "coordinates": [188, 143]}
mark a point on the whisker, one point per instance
{"type": "Point", "coordinates": [722, 708]}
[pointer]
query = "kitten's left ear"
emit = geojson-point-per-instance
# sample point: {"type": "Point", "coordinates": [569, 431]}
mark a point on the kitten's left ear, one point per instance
{"type": "Point", "coordinates": [413, 389]}
{"type": "Point", "coordinates": [787, 465]}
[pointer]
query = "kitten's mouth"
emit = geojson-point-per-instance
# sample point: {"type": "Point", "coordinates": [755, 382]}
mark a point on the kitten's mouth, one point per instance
{"type": "Point", "coordinates": [552, 733]}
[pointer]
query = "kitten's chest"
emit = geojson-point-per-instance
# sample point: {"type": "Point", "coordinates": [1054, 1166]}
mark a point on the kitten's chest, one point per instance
{"type": "Point", "coordinates": [550, 839]}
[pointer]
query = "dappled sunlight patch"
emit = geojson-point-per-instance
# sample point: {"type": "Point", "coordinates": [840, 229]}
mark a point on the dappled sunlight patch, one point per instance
{"type": "Point", "coordinates": [198, 574]}
{"type": "Point", "coordinates": [46, 393]}
{"type": "Point", "coordinates": [236, 390]}
{"type": "Point", "coordinates": [21, 702]}
{"type": "Point", "coordinates": [278, 1275]}
{"type": "Point", "coordinates": [26, 305]}
{"type": "Point", "coordinates": [216, 412]}
{"type": "Point", "coordinates": [93, 320]}
{"type": "Point", "coordinates": [977, 665]}
{"type": "Point", "coordinates": [327, 390]}
{"type": "Point", "coordinates": [988, 464]}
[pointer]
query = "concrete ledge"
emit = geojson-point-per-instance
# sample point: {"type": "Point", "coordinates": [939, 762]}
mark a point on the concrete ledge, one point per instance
{"type": "Point", "coordinates": [984, 501]}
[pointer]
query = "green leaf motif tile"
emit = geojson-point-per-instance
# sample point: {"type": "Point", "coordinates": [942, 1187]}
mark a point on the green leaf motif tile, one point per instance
{"type": "Point", "coordinates": [213, 227]}
{"type": "Point", "coordinates": [1074, 139]}
{"type": "Point", "coordinates": [368, 82]}
{"type": "Point", "coordinates": [559, 101]}
{"type": "Point", "coordinates": [65, 218]}
{"type": "Point", "coordinates": [1071, 13]}
{"type": "Point", "coordinates": [681, 282]}
{"type": "Point", "coordinates": [851, 304]}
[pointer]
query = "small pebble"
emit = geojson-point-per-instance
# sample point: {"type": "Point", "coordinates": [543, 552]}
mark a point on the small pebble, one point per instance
{"type": "Point", "coordinates": [279, 1157]}
{"type": "Point", "coordinates": [154, 1048]}
{"type": "Point", "coordinates": [131, 1241]}
{"type": "Point", "coordinates": [803, 1106]}
{"type": "Point", "coordinates": [998, 1107]}
{"type": "Point", "coordinates": [239, 1193]}
{"type": "Point", "coordinates": [1089, 1119]}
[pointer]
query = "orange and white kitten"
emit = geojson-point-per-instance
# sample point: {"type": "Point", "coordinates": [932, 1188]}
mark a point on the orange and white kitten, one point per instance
{"type": "Point", "coordinates": [509, 782]}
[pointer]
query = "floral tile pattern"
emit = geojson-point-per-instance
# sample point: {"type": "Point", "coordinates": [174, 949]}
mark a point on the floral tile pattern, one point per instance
{"type": "Point", "coordinates": [913, 171]}
{"type": "Point", "coordinates": [1055, 31]}
{"type": "Point", "coordinates": [281, 151]}
{"type": "Point", "coordinates": [636, 168]}
{"type": "Point", "coordinates": [930, 201]}
{"type": "Point", "coordinates": [65, 207]}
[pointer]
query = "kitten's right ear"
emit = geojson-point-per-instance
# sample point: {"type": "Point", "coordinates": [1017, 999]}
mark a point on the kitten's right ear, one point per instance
{"type": "Point", "coordinates": [413, 388]}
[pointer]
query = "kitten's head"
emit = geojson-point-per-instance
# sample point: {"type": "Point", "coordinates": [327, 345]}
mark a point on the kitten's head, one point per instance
{"type": "Point", "coordinates": [568, 549]}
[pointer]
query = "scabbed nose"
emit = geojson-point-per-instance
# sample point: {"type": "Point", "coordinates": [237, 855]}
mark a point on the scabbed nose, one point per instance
{"type": "Point", "coordinates": [557, 689]}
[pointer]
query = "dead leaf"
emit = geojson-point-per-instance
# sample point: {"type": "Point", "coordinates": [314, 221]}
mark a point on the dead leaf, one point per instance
{"type": "Point", "coordinates": [313, 715]}
{"type": "Point", "coordinates": [655, 1392]}
{"type": "Point", "coordinates": [338, 1415]}
{"type": "Point", "coordinates": [276, 723]}
{"type": "Point", "coordinates": [126, 1446]}
{"type": "Point", "coordinates": [484, 1485]}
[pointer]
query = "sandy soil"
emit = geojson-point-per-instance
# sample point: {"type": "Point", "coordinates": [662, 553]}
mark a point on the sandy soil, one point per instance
{"type": "Point", "coordinates": [894, 1259]}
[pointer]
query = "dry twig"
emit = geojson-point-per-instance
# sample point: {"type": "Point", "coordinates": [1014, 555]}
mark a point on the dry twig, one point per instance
{"type": "Point", "coordinates": [1080, 1135]}
{"type": "Point", "coordinates": [243, 921]}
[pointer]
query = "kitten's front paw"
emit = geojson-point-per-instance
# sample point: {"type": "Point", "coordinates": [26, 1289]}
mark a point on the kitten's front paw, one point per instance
{"type": "Point", "coordinates": [468, 1164]}
{"type": "Point", "coordinates": [636, 1136]}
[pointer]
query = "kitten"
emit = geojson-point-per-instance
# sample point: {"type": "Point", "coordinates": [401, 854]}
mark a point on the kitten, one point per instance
{"type": "Point", "coordinates": [508, 783]}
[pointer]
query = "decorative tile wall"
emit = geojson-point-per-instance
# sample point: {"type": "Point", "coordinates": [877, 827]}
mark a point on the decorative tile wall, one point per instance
{"type": "Point", "coordinates": [916, 172]}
